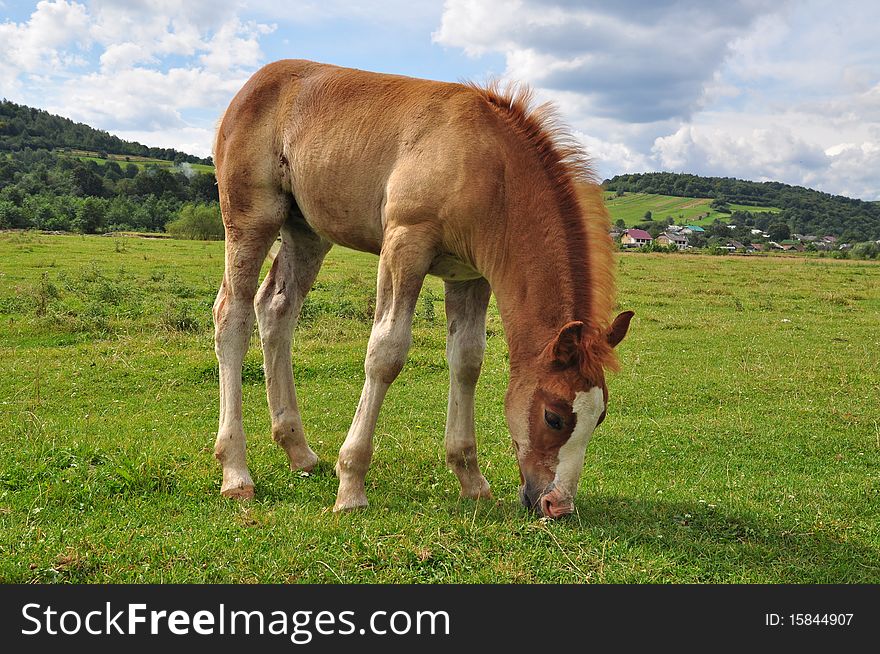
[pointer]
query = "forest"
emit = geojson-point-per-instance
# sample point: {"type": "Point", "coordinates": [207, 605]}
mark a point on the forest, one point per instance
{"type": "Point", "coordinates": [23, 127]}
{"type": "Point", "coordinates": [42, 186]}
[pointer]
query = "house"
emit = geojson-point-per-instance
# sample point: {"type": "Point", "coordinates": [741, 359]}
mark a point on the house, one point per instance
{"type": "Point", "coordinates": [791, 244]}
{"type": "Point", "coordinates": [634, 238]}
{"type": "Point", "coordinates": [693, 229]}
{"type": "Point", "coordinates": [756, 247]}
{"type": "Point", "coordinates": [730, 246]}
{"type": "Point", "coordinates": [678, 240]}
{"type": "Point", "coordinates": [615, 233]}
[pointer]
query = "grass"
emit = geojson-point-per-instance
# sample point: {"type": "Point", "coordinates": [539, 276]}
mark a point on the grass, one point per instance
{"type": "Point", "coordinates": [742, 443]}
{"type": "Point", "coordinates": [631, 207]}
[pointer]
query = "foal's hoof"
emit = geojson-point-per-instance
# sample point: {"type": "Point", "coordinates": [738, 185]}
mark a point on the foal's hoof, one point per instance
{"type": "Point", "coordinates": [349, 504]}
{"type": "Point", "coordinates": [238, 493]}
{"type": "Point", "coordinates": [478, 495]}
{"type": "Point", "coordinates": [478, 491]}
{"type": "Point", "coordinates": [302, 458]}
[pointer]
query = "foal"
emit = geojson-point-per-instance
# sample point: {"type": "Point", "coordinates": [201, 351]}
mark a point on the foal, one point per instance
{"type": "Point", "coordinates": [470, 184]}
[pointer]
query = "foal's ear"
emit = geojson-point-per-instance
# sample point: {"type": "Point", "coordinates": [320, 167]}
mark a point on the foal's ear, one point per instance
{"type": "Point", "coordinates": [567, 346]}
{"type": "Point", "coordinates": [618, 328]}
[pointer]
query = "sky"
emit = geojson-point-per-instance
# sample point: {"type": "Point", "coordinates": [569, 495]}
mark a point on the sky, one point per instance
{"type": "Point", "coordinates": [762, 90]}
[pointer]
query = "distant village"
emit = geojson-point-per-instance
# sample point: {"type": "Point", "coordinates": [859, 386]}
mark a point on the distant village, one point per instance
{"type": "Point", "coordinates": [682, 236]}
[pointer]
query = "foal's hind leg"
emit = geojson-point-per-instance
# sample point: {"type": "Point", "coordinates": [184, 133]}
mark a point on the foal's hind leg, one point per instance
{"type": "Point", "coordinates": [466, 304]}
{"type": "Point", "coordinates": [249, 235]}
{"type": "Point", "coordinates": [278, 305]}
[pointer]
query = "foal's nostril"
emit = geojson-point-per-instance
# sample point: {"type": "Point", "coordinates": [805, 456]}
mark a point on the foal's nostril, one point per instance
{"type": "Point", "coordinates": [525, 499]}
{"type": "Point", "coordinates": [547, 507]}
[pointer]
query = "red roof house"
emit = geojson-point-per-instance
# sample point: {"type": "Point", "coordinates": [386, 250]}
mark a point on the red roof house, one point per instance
{"type": "Point", "coordinates": [633, 238]}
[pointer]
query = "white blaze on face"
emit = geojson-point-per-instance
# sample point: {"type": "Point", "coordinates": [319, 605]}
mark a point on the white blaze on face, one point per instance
{"type": "Point", "coordinates": [588, 407]}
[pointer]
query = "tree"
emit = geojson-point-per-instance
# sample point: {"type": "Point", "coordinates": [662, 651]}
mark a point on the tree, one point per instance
{"type": "Point", "coordinates": [719, 205]}
{"type": "Point", "coordinates": [620, 222]}
{"type": "Point", "coordinates": [90, 215]}
{"type": "Point", "coordinates": [11, 215]}
{"type": "Point", "coordinates": [85, 182]}
{"type": "Point", "coordinates": [649, 216]}
{"type": "Point", "coordinates": [779, 232]}
{"type": "Point", "coordinates": [203, 188]}
{"type": "Point", "coordinates": [197, 221]}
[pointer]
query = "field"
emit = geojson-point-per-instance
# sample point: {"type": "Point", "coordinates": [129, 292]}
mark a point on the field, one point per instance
{"type": "Point", "coordinates": [631, 207]}
{"type": "Point", "coordinates": [742, 443]}
{"type": "Point", "coordinates": [140, 162]}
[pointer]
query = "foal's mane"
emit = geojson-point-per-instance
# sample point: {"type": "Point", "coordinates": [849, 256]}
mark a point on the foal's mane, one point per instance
{"type": "Point", "coordinates": [585, 219]}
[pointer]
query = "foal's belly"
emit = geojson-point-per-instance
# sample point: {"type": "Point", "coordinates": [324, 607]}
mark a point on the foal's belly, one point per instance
{"type": "Point", "coordinates": [452, 269]}
{"type": "Point", "coordinates": [354, 235]}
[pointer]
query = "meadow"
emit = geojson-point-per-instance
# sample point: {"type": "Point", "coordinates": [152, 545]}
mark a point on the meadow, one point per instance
{"type": "Point", "coordinates": [631, 207]}
{"type": "Point", "coordinates": [742, 443]}
{"type": "Point", "coordinates": [140, 162]}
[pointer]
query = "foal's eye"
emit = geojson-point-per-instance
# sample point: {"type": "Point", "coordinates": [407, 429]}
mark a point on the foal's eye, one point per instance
{"type": "Point", "coordinates": [553, 420]}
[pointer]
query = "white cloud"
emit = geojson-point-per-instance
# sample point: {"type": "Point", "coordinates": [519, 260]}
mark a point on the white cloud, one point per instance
{"type": "Point", "coordinates": [634, 61]}
{"type": "Point", "coordinates": [141, 98]}
{"type": "Point", "coordinates": [774, 153]}
{"type": "Point", "coordinates": [39, 45]}
{"type": "Point", "coordinates": [750, 89]}
{"type": "Point", "coordinates": [160, 63]}
{"type": "Point", "coordinates": [125, 55]}
{"type": "Point", "coordinates": [235, 46]}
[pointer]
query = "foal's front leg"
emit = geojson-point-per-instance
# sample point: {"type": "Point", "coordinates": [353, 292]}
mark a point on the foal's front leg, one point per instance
{"type": "Point", "coordinates": [403, 264]}
{"type": "Point", "coordinates": [466, 304]}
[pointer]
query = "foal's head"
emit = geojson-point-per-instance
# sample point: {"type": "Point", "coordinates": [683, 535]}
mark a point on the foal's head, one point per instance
{"type": "Point", "coordinates": [552, 409]}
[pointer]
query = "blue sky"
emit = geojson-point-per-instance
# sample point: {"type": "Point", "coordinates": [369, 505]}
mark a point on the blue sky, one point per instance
{"type": "Point", "coordinates": [784, 90]}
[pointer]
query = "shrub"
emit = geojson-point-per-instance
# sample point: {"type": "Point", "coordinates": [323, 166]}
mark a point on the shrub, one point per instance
{"type": "Point", "coordinates": [867, 250]}
{"type": "Point", "coordinates": [179, 317]}
{"type": "Point", "coordinates": [200, 222]}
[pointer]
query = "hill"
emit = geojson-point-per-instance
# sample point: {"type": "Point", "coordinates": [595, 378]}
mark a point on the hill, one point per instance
{"type": "Point", "coordinates": [632, 208]}
{"type": "Point", "coordinates": [23, 127]}
{"type": "Point", "coordinates": [803, 210]}
{"type": "Point", "coordinates": [58, 175]}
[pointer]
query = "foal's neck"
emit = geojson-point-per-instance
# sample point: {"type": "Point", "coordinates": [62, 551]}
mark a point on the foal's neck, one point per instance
{"type": "Point", "coordinates": [540, 284]}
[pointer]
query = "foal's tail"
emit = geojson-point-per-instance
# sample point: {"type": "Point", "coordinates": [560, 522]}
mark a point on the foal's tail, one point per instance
{"type": "Point", "coordinates": [215, 145]}
{"type": "Point", "coordinates": [215, 148]}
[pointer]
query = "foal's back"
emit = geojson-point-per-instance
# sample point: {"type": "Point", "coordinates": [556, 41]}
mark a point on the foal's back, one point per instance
{"type": "Point", "coordinates": [356, 149]}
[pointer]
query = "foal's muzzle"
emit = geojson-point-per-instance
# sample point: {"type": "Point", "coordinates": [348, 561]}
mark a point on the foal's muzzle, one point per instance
{"type": "Point", "coordinates": [548, 502]}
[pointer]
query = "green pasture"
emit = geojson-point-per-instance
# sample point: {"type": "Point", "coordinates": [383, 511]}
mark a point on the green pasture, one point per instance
{"type": "Point", "coordinates": [742, 443]}
{"type": "Point", "coordinates": [140, 162]}
{"type": "Point", "coordinates": [631, 207]}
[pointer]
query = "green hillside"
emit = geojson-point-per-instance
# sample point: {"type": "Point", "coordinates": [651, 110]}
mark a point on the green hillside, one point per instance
{"type": "Point", "coordinates": [28, 128]}
{"type": "Point", "coordinates": [803, 210]}
{"type": "Point", "coordinates": [631, 208]}
{"type": "Point", "coordinates": [57, 175]}
{"type": "Point", "coordinates": [140, 162]}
